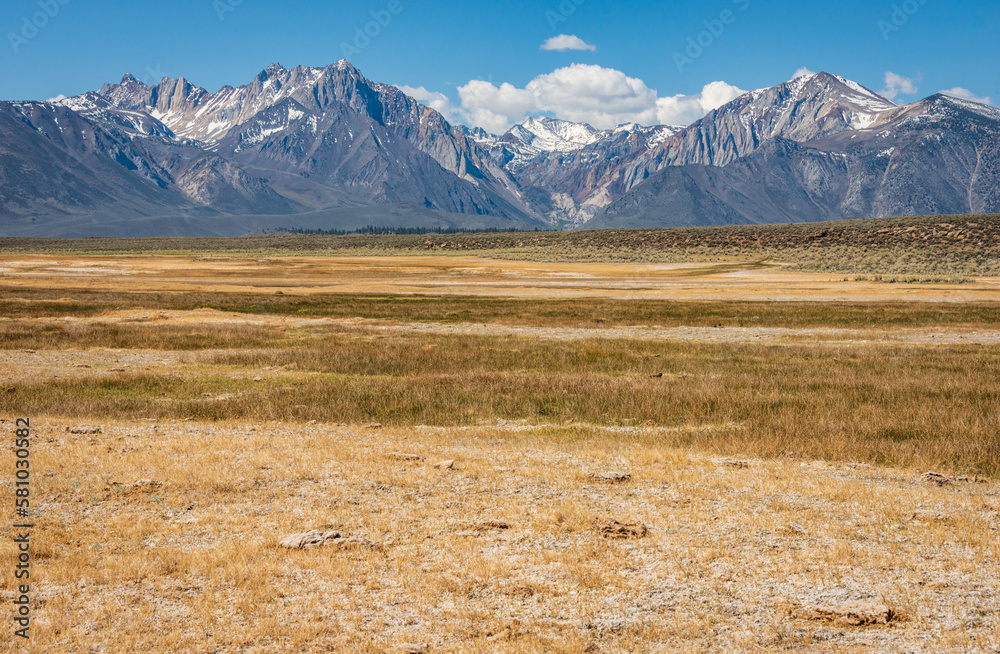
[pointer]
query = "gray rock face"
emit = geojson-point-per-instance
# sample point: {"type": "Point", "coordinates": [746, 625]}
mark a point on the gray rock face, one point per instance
{"type": "Point", "coordinates": [570, 172]}
{"type": "Point", "coordinates": [801, 110]}
{"type": "Point", "coordinates": [327, 148]}
{"type": "Point", "coordinates": [818, 147]}
{"type": "Point", "coordinates": [307, 142]}
{"type": "Point", "coordinates": [334, 127]}
{"type": "Point", "coordinates": [937, 156]}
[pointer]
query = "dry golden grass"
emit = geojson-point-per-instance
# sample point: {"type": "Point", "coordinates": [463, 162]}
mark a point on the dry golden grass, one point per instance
{"type": "Point", "coordinates": [889, 403]}
{"type": "Point", "coordinates": [733, 552]}
{"type": "Point", "coordinates": [750, 431]}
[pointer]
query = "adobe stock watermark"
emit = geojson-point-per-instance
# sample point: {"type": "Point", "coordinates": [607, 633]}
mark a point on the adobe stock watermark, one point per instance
{"type": "Point", "coordinates": [363, 36]}
{"type": "Point", "coordinates": [153, 76]}
{"type": "Point", "coordinates": [901, 14]}
{"type": "Point", "coordinates": [22, 528]}
{"type": "Point", "coordinates": [35, 23]}
{"type": "Point", "coordinates": [705, 39]}
{"type": "Point", "coordinates": [223, 7]}
{"type": "Point", "coordinates": [566, 9]}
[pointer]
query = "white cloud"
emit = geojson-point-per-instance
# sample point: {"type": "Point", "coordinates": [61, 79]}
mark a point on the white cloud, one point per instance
{"type": "Point", "coordinates": [896, 84]}
{"type": "Point", "coordinates": [434, 100]}
{"type": "Point", "coordinates": [602, 97]}
{"type": "Point", "coordinates": [58, 98]}
{"type": "Point", "coordinates": [565, 42]}
{"type": "Point", "coordinates": [686, 109]}
{"type": "Point", "coordinates": [802, 72]}
{"type": "Point", "coordinates": [492, 107]}
{"type": "Point", "coordinates": [966, 94]}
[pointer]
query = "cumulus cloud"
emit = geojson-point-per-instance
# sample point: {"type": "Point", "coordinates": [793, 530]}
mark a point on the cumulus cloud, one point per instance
{"type": "Point", "coordinates": [685, 109]}
{"type": "Point", "coordinates": [494, 108]}
{"type": "Point", "coordinates": [434, 100]}
{"type": "Point", "coordinates": [966, 94]}
{"type": "Point", "coordinates": [803, 72]}
{"type": "Point", "coordinates": [58, 98]}
{"type": "Point", "coordinates": [602, 97]}
{"type": "Point", "coordinates": [565, 42]}
{"type": "Point", "coordinates": [896, 84]}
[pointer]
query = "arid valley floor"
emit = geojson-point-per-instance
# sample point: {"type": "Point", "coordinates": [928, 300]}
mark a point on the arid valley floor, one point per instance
{"type": "Point", "coordinates": [709, 451]}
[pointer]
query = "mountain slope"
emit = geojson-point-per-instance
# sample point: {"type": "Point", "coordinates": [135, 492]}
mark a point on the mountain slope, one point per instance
{"type": "Point", "coordinates": [308, 141]}
{"type": "Point", "coordinates": [801, 110]}
{"type": "Point", "coordinates": [360, 137]}
{"type": "Point", "coordinates": [937, 156]}
{"type": "Point", "coordinates": [571, 180]}
{"type": "Point", "coordinates": [326, 148]}
{"type": "Point", "coordinates": [570, 171]}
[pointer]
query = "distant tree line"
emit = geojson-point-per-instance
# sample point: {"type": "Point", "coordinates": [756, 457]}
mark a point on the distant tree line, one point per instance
{"type": "Point", "coordinates": [398, 231]}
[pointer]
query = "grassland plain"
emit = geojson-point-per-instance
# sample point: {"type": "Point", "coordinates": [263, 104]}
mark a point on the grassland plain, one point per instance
{"type": "Point", "coordinates": [774, 449]}
{"type": "Point", "coordinates": [948, 246]}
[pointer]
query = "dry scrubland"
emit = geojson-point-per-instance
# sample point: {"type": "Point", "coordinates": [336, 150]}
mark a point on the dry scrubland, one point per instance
{"type": "Point", "coordinates": [946, 247]}
{"type": "Point", "coordinates": [194, 402]}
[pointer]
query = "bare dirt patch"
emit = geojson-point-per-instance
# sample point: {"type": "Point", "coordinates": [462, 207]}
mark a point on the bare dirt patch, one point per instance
{"type": "Point", "coordinates": [437, 275]}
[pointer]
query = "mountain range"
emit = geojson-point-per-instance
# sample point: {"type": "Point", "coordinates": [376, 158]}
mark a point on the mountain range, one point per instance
{"type": "Point", "coordinates": [326, 148]}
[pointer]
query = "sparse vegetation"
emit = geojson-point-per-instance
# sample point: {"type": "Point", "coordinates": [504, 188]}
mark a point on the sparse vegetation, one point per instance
{"type": "Point", "coordinates": [759, 462]}
{"type": "Point", "coordinates": [838, 403]}
{"type": "Point", "coordinates": [30, 303]}
{"type": "Point", "coordinates": [964, 246]}
{"type": "Point", "coordinates": [913, 279]}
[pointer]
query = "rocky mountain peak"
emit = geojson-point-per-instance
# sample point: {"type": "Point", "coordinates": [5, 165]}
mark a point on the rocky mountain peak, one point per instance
{"type": "Point", "coordinates": [311, 139]}
{"type": "Point", "coordinates": [343, 64]}
{"type": "Point", "coordinates": [802, 109]}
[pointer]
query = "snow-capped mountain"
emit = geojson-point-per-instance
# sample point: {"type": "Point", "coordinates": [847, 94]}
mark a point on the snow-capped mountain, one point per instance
{"type": "Point", "coordinates": [314, 143]}
{"type": "Point", "coordinates": [327, 148]}
{"type": "Point", "coordinates": [537, 135]}
{"type": "Point", "coordinates": [570, 171]}
{"type": "Point", "coordinates": [802, 109]}
{"type": "Point", "coordinates": [289, 118]}
{"type": "Point", "coordinates": [937, 156]}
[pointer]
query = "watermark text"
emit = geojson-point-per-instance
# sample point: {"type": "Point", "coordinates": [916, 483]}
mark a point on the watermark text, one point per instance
{"type": "Point", "coordinates": [22, 528]}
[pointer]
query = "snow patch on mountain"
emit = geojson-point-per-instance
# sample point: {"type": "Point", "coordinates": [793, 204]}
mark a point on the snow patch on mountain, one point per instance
{"type": "Point", "coordinates": [554, 135]}
{"type": "Point", "coordinates": [982, 109]}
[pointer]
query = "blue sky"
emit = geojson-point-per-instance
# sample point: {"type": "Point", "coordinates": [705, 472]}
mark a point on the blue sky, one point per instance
{"type": "Point", "coordinates": [436, 49]}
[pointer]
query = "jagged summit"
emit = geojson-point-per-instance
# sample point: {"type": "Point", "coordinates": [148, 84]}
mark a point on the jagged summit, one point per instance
{"type": "Point", "coordinates": [319, 141]}
{"type": "Point", "coordinates": [821, 148]}
{"type": "Point", "coordinates": [290, 141]}
{"type": "Point", "coordinates": [805, 108]}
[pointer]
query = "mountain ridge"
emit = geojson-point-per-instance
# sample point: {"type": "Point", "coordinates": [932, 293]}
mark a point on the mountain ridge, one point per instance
{"type": "Point", "coordinates": [302, 145]}
{"type": "Point", "coordinates": [940, 155]}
